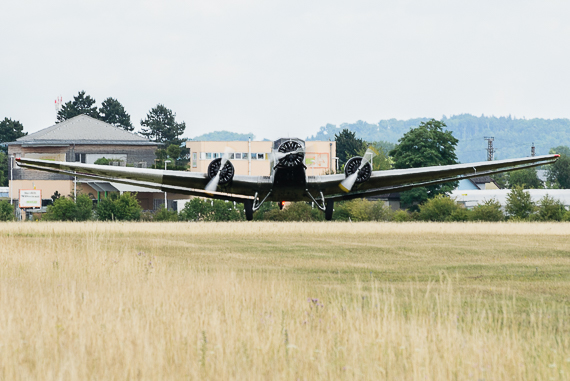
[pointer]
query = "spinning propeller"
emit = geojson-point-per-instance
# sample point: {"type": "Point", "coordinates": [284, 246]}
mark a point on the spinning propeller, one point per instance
{"type": "Point", "coordinates": [347, 184]}
{"type": "Point", "coordinates": [213, 184]}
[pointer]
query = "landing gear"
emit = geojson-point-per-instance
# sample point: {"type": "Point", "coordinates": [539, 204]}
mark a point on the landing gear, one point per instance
{"type": "Point", "coordinates": [329, 210]}
{"type": "Point", "coordinates": [248, 204]}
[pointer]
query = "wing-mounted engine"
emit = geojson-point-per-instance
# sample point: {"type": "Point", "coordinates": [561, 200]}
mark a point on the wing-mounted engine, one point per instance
{"type": "Point", "coordinates": [357, 170]}
{"type": "Point", "coordinates": [353, 166]}
{"type": "Point", "coordinates": [226, 174]}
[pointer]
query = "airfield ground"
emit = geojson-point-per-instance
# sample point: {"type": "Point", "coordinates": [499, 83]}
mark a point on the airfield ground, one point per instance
{"type": "Point", "coordinates": [409, 301]}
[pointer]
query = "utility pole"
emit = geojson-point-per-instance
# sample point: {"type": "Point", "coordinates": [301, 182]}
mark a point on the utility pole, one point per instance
{"type": "Point", "coordinates": [490, 149]}
{"type": "Point", "coordinates": [532, 150]}
{"type": "Point", "coordinates": [11, 178]}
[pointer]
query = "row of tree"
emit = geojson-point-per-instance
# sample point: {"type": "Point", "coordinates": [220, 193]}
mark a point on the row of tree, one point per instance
{"type": "Point", "coordinates": [519, 207]}
{"type": "Point", "coordinates": [160, 124]}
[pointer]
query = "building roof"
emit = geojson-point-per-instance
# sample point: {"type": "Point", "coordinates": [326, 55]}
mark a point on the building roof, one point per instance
{"type": "Point", "coordinates": [82, 129]}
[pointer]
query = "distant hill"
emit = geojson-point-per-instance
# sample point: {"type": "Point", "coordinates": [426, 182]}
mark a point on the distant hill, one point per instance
{"type": "Point", "coordinates": [224, 136]}
{"type": "Point", "coordinates": [513, 137]}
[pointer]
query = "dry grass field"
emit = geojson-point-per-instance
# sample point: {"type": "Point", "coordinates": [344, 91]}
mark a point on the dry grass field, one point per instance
{"type": "Point", "coordinates": [308, 301]}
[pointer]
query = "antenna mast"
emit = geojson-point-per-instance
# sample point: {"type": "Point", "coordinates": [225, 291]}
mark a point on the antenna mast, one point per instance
{"type": "Point", "coordinates": [490, 149]}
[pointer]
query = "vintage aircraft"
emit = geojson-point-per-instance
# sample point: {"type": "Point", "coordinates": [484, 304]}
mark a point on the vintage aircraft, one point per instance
{"type": "Point", "coordinates": [288, 180]}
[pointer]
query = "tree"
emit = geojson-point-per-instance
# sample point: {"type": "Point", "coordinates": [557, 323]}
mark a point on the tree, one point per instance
{"type": "Point", "coordinates": [121, 208]}
{"type": "Point", "coordinates": [526, 178]}
{"type": "Point", "coordinates": [164, 214]}
{"type": "Point", "coordinates": [102, 161]}
{"type": "Point", "coordinates": [10, 130]}
{"type": "Point", "coordinates": [558, 173]}
{"type": "Point", "coordinates": [424, 146]}
{"type": "Point", "coordinates": [550, 209]}
{"type": "Point", "coordinates": [160, 126]}
{"type": "Point", "coordinates": [489, 210]}
{"type": "Point", "coordinates": [65, 209]}
{"type": "Point", "coordinates": [3, 169]}
{"type": "Point", "coordinates": [173, 151]}
{"type": "Point", "coordinates": [6, 211]}
{"type": "Point", "coordinates": [81, 104]}
{"type": "Point", "coordinates": [347, 145]}
{"type": "Point", "coordinates": [127, 207]}
{"type": "Point", "coordinates": [442, 208]}
{"type": "Point", "coordinates": [113, 112]}
{"type": "Point", "coordinates": [519, 203]}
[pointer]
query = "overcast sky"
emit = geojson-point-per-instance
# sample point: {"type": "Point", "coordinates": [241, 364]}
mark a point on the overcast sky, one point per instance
{"type": "Point", "coordinates": [285, 68]}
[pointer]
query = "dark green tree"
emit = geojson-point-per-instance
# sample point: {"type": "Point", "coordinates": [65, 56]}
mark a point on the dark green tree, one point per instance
{"type": "Point", "coordinates": [113, 112]}
{"type": "Point", "coordinates": [550, 209]}
{"type": "Point", "coordinates": [347, 145]}
{"type": "Point", "coordinates": [160, 126]}
{"type": "Point", "coordinates": [102, 161]}
{"type": "Point", "coordinates": [65, 209]}
{"type": "Point", "coordinates": [10, 130]}
{"type": "Point", "coordinates": [558, 174]}
{"type": "Point", "coordinates": [173, 151]}
{"type": "Point", "coordinates": [6, 211]}
{"type": "Point", "coordinates": [441, 208]}
{"type": "Point", "coordinates": [196, 209]}
{"type": "Point", "coordinates": [127, 207]}
{"type": "Point", "coordinates": [4, 167]}
{"type": "Point", "coordinates": [424, 146]}
{"type": "Point", "coordinates": [164, 214]}
{"type": "Point", "coordinates": [519, 203]}
{"type": "Point", "coordinates": [81, 104]}
{"type": "Point", "coordinates": [526, 178]}
{"type": "Point", "coordinates": [119, 208]}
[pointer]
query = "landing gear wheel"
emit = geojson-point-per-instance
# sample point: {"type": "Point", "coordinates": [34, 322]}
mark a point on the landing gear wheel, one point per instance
{"type": "Point", "coordinates": [329, 210]}
{"type": "Point", "coordinates": [248, 204]}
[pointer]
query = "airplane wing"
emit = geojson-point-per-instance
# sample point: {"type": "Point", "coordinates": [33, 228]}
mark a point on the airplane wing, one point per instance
{"type": "Point", "coordinates": [182, 182]}
{"type": "Point", "coordinates": [399, 180]}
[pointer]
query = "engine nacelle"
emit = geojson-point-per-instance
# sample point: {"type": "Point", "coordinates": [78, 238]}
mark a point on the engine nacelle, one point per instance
{"type": "Point", "coordinates": [226, 174]}
{"type": "Point", "coordinates": [291, 153]}
{"type": "Point", "coordinates": [352, 166]}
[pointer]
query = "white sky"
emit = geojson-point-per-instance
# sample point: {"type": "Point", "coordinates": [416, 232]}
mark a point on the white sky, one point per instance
{"type": "Point", "coordinates": [285, 68]}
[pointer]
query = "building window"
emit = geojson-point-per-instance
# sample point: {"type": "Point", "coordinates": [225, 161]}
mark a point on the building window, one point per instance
{"type": "Point", "coordinates": [194, 160]}
{"type": "Point", "coordinates": [244, 155]}
{"type": "Point", "coordinates": [208, 155]}
{"type": "Point", "coordinates": [238, 156]}
{"type": "Point", "coordinates": [80, 157]}
{"type": "Point", "coordinates": [260, 156]}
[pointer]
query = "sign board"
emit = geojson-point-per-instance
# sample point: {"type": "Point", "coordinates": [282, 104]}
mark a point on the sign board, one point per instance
{"type": "Point", "coordinates": [30, 198]}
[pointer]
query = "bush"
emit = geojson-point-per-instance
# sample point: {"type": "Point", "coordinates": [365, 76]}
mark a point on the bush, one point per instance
{"type": "Point", "coordinates": [490, 210]}
{"type": "Point", "coordinates": [198, 209]}
{"type": "Point", "coordinates": [519, 204]}
{"type": "Point", "coordinates": [65, 209]}
{"type": "Point", "coordinates": [6, 211]}
{"type": "Point", "coordinates": [123, 208]}
{"type": "Point", "coordinates": [550, 209]}
{"type": "Point", "coordinates": [401, 216]}
{"type": "Point", "coordinates": [441, 208]}
{"type": "Point", "coordinates": [164, 214]}
{"type": "Point", "coordinates": [295, 211]}
{"type": "Point", "coordinates": [362, 210]}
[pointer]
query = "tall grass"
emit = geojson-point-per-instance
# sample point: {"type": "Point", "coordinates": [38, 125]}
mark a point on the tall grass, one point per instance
{"type": "Point", "coordinates": [232, 301]}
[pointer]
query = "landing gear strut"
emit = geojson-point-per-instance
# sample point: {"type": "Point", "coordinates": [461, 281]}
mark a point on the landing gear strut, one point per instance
{"type": "Point", "coordinates": [248, 204]}
{"type": "Point", "coordinates": [329, 210]}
